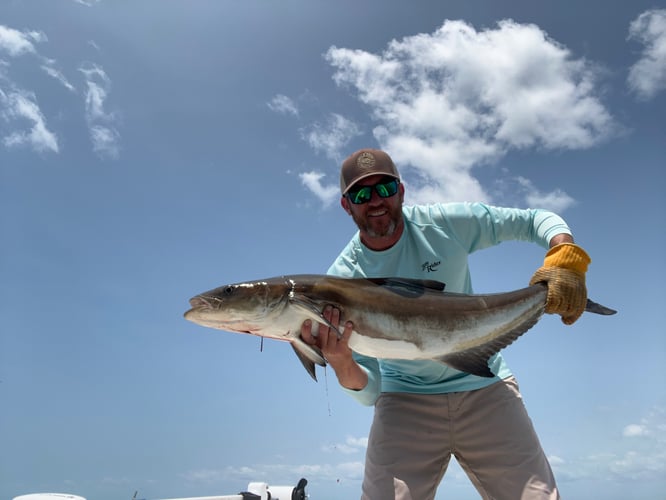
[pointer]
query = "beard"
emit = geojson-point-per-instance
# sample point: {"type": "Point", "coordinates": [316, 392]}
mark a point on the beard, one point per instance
{"type": "Point", "coordinates": [376, 228]}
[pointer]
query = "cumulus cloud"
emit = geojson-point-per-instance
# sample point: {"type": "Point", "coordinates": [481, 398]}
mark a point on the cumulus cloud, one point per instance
{"type": "Point", "coordinates": [327, 193]}
{"type": "Point", "coordinates": [343, 470]}
{"type": "Point", "coordinates": [328, 138]}
{"type": "Point", "coordinates": [458, 98]}
{"type": "Point", "coordinates": [509, 187]}
{"type": "Point", "coordinates": [283, 105]}
{"type": "Point", "coordinates": [556, 200]}
{"type": "Point", "coordinates": [640, 455]}
{"type": "Point", "coordinates": [647, 76]}
{"type": "Point", "coordinates": [331, 136]}
{"type": "Point", "coordinates": [103, 134]}
{"type": "Point", "coordinates": [634, 430]}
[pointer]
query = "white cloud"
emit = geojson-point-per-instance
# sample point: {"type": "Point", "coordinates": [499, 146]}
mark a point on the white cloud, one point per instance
{"type": "Point", "coordinates": [348, 471]}
{"type": "Point", "coordinates": [458, 98]}
{"type": "Point", "coordinates": [283, 105]}
{"type": "Point", "coordinates": [97, 89]}
{"type": "Point", "coordinates": [653, 425]}
{"type": "Point", "coordinates": [326, 193]}
{"type": "Point", "coordinates": [647, 76]}
{"type": "Point", "coordinates": [18, 107]}
{"type": "Point", "coordinates": [103, 134]}
{"type": "Point", "coordinates": [351, 445]}
{"type": "Point", "coordinates": [637, 466]}
{"type": "Point", "coordinates": [332, 136]}
{"type": "Point", "coordinates": [329, 138]}
{"type": "Point", "coordinates": [640, 456]}
{"type": "Point", "coordinates": [557, 200]}
{"type": "Point", "coordinates": [634, 430]}
{"type": "Point", "coordinates": [326, 472]}
{"type": "Point", "coordinates": [105, 141]}
{"type": "Point", "coordinates": [49, 67]}
{"type": "Point", "coordinates": [16, 43]}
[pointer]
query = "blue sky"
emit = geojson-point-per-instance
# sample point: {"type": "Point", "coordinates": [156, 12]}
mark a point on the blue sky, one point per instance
{"type": "Point", "coordinates": [152, 150]}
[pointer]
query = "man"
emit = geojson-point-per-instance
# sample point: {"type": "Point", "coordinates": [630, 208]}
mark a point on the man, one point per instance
{"type": "Point", "coordinates": [426, 411]}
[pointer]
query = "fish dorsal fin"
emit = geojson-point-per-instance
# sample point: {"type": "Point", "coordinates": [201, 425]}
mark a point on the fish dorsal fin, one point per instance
{"type": "Point", "coordinates": [407, 286]}
{"type": "Point", "coordinates": [475, 359]}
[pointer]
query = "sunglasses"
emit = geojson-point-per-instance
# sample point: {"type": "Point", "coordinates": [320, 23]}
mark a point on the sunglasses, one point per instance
{"type": "Point", "coordinates": [363, 194]}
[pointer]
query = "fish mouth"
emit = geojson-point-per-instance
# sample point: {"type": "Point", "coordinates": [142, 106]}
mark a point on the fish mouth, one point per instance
{"type": "Point", "coordinates": [200, 302]}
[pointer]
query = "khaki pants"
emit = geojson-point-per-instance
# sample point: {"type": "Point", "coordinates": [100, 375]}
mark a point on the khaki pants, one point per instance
{"type": "Point", "coordinates": [488, 431]}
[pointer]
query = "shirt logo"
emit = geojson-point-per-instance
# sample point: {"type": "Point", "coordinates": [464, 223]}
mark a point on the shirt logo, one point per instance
{"type": "Point", "coordinates": [430, 267]}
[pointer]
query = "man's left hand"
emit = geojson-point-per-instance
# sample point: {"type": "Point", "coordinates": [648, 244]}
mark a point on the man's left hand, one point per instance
{"type": "Point", "coordinates": [564, 271]}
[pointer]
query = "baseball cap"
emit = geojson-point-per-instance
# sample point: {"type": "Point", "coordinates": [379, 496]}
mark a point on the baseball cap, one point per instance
{"type": "Point", "coordinates": [364, 163]}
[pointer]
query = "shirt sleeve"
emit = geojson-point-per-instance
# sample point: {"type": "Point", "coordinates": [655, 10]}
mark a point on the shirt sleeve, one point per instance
{"type": "Point", "coordinates": [369, 394]}
{"type": "Point", "coordinates": [478, 226]}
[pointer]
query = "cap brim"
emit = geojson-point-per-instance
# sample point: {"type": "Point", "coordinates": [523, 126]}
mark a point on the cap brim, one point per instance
{"type": "Point", "coordinates": [369, 174]}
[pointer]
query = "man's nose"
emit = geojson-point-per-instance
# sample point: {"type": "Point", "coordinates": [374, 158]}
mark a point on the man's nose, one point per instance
{"type": "Point", "coordinates": [374, 197]}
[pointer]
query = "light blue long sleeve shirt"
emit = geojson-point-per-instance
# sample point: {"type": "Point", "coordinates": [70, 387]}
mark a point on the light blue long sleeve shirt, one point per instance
{"type": "Point", "coordinates": [435, 244]}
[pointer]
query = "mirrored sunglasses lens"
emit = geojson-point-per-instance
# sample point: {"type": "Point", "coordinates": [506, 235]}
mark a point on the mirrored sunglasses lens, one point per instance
{"type": "Point", "coordinates": [387, 189]}
{"type": "Point", "coordinates": [363, 195]}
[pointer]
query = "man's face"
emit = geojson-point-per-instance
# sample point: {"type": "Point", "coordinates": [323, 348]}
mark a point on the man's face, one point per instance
{"type": "Point", "coordinates": [380, 219]}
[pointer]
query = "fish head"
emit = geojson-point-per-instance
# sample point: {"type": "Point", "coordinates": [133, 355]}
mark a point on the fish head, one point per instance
{"type": "Point", "coordinates": [241, 307]}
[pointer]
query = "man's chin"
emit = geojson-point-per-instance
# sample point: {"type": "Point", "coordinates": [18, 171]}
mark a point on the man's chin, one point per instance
{"type": "Point", "coordinates": [381, 230]}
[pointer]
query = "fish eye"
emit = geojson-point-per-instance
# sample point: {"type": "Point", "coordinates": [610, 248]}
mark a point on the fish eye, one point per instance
{"type": "Point", "coordinates": [228, 290]}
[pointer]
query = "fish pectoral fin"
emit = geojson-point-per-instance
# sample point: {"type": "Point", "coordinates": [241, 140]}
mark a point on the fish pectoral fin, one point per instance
{"type": "Point", "coordinates": [468, 362]}
{"type": "Point", "coordinates": [309, 356]}
{"type": "Point", "coordinates": [311, 310]}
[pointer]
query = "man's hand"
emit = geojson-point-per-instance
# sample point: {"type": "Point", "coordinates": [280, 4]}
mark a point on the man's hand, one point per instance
{"type": "Point", "coordinates": [564, 271]}
{"type": "Point", "coordinates": [336, 349]}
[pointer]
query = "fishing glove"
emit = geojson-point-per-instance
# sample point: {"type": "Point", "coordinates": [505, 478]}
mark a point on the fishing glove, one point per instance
{"type": "Point", "coordinates": [564, 272]}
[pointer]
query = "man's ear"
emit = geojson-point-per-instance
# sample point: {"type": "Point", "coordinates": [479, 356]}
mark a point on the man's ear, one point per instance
{"type": "Point", "coordinates": [344, 202]}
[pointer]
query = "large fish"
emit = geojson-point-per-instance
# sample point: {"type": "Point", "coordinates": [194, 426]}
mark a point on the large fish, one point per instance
{"type": "Point", "coordinates": [394, 318]}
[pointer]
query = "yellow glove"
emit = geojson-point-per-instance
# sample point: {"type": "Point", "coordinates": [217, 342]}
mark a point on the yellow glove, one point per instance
{"type": "Point", "coordinates": [564, 272]}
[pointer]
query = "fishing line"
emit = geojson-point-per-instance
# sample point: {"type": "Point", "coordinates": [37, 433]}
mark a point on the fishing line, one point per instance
{"type": "Point", "coordinates": [328, 399]}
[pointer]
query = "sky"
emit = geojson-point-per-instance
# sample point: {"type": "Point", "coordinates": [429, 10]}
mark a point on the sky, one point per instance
{"type": "Point", "coordinates": [151, 150]}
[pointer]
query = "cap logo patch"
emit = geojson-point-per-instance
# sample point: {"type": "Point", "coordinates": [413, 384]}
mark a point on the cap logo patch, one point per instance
{"type": "Point", "coordinates": [365, 160]}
